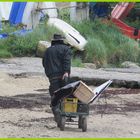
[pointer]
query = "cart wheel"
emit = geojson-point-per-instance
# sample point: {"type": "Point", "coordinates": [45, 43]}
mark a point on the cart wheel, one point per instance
{"type": "Point", "coordinates": [84, 124]}
{"type": "Point", "coordinates": [62, 123]}
{"type": "Point", "coordinates": [80, 122]}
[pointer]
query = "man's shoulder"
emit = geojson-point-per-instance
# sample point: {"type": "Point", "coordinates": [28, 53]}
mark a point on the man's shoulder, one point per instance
{"type": "Point", "coordinates": [64, 46]}
{"type": "Point", "coordinates": [49, 48]}
{"type": "Point", "coordinates": [58, 47]}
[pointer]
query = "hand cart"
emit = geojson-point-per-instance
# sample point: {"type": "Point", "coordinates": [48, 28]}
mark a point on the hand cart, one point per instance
{"type": "Point", "coordinates": [71, 108]}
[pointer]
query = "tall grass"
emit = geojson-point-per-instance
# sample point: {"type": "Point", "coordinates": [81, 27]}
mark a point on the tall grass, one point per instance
{"type": "Point", "coordinates": [64, 14]}
{"type": "Point", "coordinates": [95, 52]}
{"type": "Point", "coordinates": [4, 53]}
{"type": "Point", "coordinates": [77, 62]}
{"type": "Point", "coordinates": [26, 45]}
{"type": "Point", "coordinates": [106, 44]}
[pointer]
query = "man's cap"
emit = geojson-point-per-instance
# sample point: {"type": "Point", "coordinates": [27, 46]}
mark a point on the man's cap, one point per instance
{"type": "Point", "coordinates": [57, 37]}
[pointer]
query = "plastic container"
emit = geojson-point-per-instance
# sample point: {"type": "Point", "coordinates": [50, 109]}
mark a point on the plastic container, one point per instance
{"type": "Point", "coordinates": [70, 104]}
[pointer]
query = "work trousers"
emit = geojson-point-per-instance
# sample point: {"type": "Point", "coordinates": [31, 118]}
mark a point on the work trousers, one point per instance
{"type": "Point", "coordinates": [55, 84]}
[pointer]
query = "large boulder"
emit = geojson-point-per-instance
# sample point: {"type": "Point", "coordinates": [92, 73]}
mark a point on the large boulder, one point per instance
{"type": "Point", "coordinates": [129, 64]}
{"type": "Point", "coordinates": [41, 48]}
{"type": "Point", "coordinates": [90, 65]}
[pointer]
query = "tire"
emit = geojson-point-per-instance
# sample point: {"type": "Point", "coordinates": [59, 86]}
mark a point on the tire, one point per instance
{"type": "Point", "coordinates": [80, 122]}
{"type": "Point", "coordinates": [62, 123]}
{"type": "Point", "coordinates": [84, 124]}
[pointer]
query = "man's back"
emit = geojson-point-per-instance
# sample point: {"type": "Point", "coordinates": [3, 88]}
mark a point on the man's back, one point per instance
{"type": "Point", "coordinates": [57, 60]}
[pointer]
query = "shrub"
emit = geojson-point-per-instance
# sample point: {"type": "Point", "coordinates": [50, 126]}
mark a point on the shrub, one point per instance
{"type": "Point", "coordinates": [26, 45]}
{"type": "Point", "coordinates": [4, 53]}
{"type": "Point", "coordinates": [106, 44]}
{"type": "Point", "coordinates": [77, 62]}
{"type": "Point", "coordinates": [95, 52]}
{"type": "Point", "coordinates": [64, 14]}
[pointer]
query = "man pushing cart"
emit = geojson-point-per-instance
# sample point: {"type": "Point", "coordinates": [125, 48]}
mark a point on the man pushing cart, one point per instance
{"type": "Point", "coordinates": [73, 101]}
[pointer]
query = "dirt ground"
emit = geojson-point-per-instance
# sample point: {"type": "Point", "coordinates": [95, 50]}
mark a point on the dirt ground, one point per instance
{"type": "Point", "coordinates": [25, 106]}
{"type": "Point", "coordinates": [25, 111]}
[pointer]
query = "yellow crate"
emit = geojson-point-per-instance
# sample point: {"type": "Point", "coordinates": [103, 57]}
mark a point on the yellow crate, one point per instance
{"type": "Point", "coordinates": [83, 93]}
{"type": "Point", "coordinates": [70, 105]}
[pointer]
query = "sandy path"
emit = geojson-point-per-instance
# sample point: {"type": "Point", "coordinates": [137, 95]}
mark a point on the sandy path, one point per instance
{"type": "Point", "coordinates": [25, 112]}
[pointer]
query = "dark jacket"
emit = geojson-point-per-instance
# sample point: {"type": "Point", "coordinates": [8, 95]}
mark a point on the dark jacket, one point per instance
{"type": "Point", "coordinates": [57, 60]}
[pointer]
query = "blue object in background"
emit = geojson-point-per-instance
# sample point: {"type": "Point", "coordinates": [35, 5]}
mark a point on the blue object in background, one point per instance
{"type": "Point", "coordinates": [21, 32]}
{"type": "Point", "coordinates": [91, 5]}
{"type": "Point", "coordinates": [99, 9]}
{"type": "Point", "coordinates": [4, 35]}
{"type": "Point", "coordinates": [15, 17]}
{"type": "Point", "coordinates": [13, 12]}
{"type": "Point", "coordinates": [17, 12]}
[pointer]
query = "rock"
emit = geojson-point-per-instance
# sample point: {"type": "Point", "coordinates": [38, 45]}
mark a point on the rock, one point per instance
{"type": "Point", "coordinates": [128, 64]}
{"type": "Point", "coordinates": [133, 132]}
{"type": "Point", "coordinates": [42, 46]}
{"type": "Point", "coordinates": [90, 65]}
{"type": "Point", "coordinates": [51, 125]}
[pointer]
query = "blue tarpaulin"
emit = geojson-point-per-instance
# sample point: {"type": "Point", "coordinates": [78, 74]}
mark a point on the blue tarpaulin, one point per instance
{"type": "Point", "coordinates": [17, 12]}
{"type": "Point", "coordinates": [99, 9]}
{"type": "Point", "coordinates": [21, 32]}
{"type": "Point", "coordinates": [4, 35]}
{"type": "Point", "coordinates": [15, 18]}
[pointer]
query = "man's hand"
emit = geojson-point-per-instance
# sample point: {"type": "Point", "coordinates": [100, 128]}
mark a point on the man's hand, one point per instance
{"type": "Point", "coordinates": [65, 75]}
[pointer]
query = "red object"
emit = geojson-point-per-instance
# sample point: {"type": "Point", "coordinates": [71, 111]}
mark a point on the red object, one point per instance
{"type": "Point", "coordinates": [120, 11]}
{"type": "Point", "coordinates": [127, 30]}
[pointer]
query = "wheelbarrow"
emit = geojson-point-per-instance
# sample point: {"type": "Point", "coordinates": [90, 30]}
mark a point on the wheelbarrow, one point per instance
{"type": "Point", "coordinates": [69, 110]}
{"type": "Point", "coordinates": [73, 101]}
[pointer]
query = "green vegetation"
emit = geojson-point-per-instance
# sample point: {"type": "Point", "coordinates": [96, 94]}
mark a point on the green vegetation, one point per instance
{"type": "Point", "coordinates": [106, 45]}
{"type": "Point", "coordinates": [25, 45]}
{"type": "Point", "coordinates": [77, 62]}
{"type": "Point", "coordinates": [64, 14]}
{"type": "Point", "coordinates": [133, 18]}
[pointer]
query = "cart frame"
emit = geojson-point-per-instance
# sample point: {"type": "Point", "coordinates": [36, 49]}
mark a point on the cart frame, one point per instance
{"type": "Point", "coordinates": [82, 111]}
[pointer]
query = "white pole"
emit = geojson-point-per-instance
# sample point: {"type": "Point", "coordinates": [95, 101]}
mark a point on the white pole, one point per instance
{"type": "Point", "coordinates": [73, 11]}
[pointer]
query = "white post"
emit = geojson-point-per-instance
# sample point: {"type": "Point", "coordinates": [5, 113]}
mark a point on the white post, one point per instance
{"type": "Point", "coordinates": [73, 11]}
